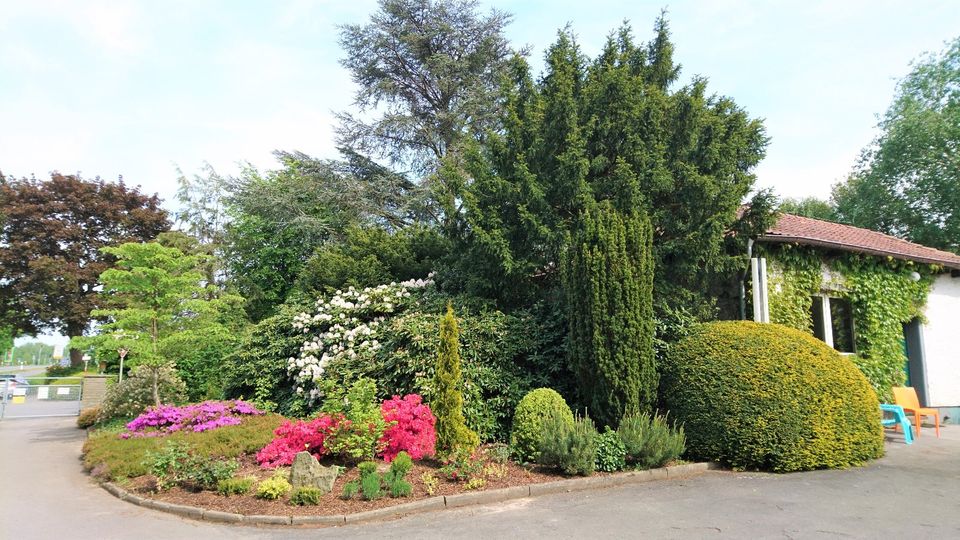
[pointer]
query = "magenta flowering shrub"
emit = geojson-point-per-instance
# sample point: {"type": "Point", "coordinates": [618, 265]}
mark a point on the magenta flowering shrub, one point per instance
{"type": "Point", "coordinates": [166, 419]}
{"type": "Point", "coordinates": [299, 436]}
{"type": "Point", "coordinates": [410, 427]}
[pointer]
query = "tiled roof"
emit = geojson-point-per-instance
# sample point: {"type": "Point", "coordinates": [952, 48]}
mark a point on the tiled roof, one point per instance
{"type": "Point", "coordinates": [814, 232]}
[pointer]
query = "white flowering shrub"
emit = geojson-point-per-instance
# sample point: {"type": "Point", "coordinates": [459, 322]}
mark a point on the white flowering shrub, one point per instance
{"type": "Point", "coordinates": [346, 326]}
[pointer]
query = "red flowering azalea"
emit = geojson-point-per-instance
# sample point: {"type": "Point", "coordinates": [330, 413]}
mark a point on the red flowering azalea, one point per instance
{"type": "Point", "coordinates": [410, 427]}
{"type": "Point", "coordinates": [293, 437]}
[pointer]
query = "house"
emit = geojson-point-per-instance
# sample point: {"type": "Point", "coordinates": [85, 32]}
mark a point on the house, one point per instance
{"type": "Point", "coordinates": [891, 304]}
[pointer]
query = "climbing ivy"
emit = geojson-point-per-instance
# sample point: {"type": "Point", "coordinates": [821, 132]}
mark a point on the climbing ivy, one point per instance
{"type": "Point", "coordinates": [794, 276]}
{"type": "Point", "coordinates": [881, 291]}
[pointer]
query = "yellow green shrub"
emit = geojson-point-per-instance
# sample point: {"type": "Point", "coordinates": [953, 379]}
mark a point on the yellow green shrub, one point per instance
{"type": "Point", "coordinates": [768, 397]}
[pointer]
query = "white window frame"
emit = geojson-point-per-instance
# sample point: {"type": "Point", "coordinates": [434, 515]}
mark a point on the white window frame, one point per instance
{"type": "Point", "coordinates": [827, 322]}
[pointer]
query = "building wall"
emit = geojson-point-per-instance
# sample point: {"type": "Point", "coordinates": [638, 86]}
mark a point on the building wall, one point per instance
{"type": "Point", "coordinates": [941, 343]}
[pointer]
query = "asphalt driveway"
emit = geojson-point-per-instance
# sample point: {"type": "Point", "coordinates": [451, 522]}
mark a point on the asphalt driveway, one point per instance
{"type": "Point", "coordinates": [913, 492]}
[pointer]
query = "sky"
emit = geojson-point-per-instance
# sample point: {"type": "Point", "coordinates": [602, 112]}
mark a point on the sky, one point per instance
{"type": "Point", "coordinates": [139, 89]}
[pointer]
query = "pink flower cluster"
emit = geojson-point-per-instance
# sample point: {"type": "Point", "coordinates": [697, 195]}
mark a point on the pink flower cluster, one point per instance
{"type": "Point", "coordinates": [410, 427]}
{"type": "Point", "coordinates": [293, 437]}
{"type": "Point", "coordinates": [166, 419]}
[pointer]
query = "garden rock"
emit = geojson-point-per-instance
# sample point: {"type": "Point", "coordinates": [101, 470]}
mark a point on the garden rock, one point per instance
{"type": "Point", "coordinates": [306, 471]}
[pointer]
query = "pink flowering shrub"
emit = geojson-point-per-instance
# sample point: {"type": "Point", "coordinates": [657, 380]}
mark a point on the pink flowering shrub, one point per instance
{"type": "Point", "coordinates": [293, 437]}
{"type": "Point", "coordinates": [166, 419]}
{"type": "Point", "coordinates": [410, 427]}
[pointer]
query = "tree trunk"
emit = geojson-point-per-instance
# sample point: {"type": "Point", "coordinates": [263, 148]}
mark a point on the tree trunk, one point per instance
{"type": "Point", "coordinates": [75, 329]}
{"type": "Point", "coordinates": [156, 387]}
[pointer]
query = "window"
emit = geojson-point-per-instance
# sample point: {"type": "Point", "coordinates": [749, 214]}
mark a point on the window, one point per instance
{"type": "Point", "coordinates": [832, 320]}
{"type": "Point", "coordinates": [841, 318]}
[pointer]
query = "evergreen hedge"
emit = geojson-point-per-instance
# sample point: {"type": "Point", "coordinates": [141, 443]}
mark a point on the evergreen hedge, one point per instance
{"type": "Point", "coordinates": [768, 397]}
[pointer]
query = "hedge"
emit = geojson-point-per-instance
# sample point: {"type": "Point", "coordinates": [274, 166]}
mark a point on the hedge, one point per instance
{"type": "Point", "coordinates": [768, 397]}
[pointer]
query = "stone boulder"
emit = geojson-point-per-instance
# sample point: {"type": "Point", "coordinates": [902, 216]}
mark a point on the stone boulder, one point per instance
{"type": "Point", "coordinates": [306, 471]}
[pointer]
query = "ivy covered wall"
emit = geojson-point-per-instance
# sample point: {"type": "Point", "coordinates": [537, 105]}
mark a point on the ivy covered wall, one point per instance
{"type": "Point", "coordinates": [881, 291]}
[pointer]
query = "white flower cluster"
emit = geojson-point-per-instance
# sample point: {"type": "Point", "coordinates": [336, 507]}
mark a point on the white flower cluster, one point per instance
{"type": "Point", "coordinates": [345, 326]}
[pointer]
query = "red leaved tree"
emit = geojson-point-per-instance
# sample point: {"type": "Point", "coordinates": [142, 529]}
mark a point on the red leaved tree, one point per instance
{"type": "Point", "coordinates": [51, 233]}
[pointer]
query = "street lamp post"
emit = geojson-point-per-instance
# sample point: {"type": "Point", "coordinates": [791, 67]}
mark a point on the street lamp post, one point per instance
{"type": "Point", "coordinates": [123, 353]}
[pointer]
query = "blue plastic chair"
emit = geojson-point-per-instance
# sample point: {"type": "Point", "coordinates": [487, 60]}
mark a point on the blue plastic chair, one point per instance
{"type": "Point", "coordinates": [899, 417]}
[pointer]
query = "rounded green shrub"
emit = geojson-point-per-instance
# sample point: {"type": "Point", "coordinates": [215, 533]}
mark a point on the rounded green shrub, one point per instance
{"type": "Point", "coordinates": [768, 397]}
{"type": "Point", "coordinates": [528, 420]}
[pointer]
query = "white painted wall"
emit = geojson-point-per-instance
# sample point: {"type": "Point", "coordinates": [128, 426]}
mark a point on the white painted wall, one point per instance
{"type": "Point", "coordinates": [941, 343]}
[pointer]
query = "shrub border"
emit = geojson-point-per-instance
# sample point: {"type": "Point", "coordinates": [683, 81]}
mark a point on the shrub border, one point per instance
{"type": "Point", "coordinates": [439, 502]}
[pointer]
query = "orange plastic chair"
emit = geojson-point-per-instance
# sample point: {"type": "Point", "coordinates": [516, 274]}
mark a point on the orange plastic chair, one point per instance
{"type": "Point", "coordinates": [906, 397]}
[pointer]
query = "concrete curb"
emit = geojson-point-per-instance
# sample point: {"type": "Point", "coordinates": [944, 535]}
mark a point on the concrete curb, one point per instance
{"type": "Point", "coordinates": [432, 503]}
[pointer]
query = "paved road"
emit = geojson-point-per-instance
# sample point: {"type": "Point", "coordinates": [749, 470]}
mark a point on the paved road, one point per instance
{"type": "Point", "coordinates": [914, 493]}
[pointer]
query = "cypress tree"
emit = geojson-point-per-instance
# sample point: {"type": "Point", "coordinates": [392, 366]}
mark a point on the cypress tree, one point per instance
{"type": "Point", "coordinates": [447, 403]}
{"type": "Point", "coordinates": [608, 280]}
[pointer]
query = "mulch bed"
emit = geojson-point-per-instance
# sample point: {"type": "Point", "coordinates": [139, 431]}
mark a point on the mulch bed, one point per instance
{"type": "Point", "coordinates": [331, 503]}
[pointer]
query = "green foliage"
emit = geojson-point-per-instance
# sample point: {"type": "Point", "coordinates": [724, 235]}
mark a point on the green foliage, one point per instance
{"type": "Point", "coordinates": [768, 397]}
{"type": "Point", "coordinates": [906, 181]}
{"type": "Point", "coordinates": [177, 464]}
{"type": "Point", "coordinates": [125, 458]}
{"type": "Point", "coordinates": [162, 311]}
{"type": "Point", "coordinates": [88, 417]}
{"type": "Point", "coordinates": [135, 393]}
{"type": "Point", "coordinates": [6, 341]}
{"type": "Point", "coordinates": [401, 464]}
{"type": "Point", "coordinates": [498, 453]}
{"type": "Point", "coordinates": [881, 291]}
{"type": "Point", "coordinates": [371, 485]}
{"type": "Point", "coordinates": [447, 399]}
{"type": "Point", "coordinates": [350, 489]}
{"type": "Point", "coordinates": [572, 448]}
{"type": "Point", "coordinates": [280, 218]}
{"type": "Point", "coordinates": [273, 488]}
{"type": "Point", "coordinates": [528, 421]}
{"type": "Point", "coordinates": [235, 486]}
{"type": "Point", "coordinates": [810, 207]}
{"type": "Point", "coordinates": [608, 279]}
{"type": "Point", "coordinates": [649, 441]}
{"type": "Point", "coordinates": [611, 452]}
{"type": "Point", "coordinates": [503, 356]}
{"type": "Point", "coordinates": [359, 436]}
{"type": "Point", "coordinates": [396, 485]}
{"type": "Point", "coordinates": [793, 278]}
{"type": "Point", "coordinates": [430, 74]}
{"type": "Point", "coordinates": [601, 129]}
{"type": "Point", "coordinates": [460, 465]}
{"type": "Point", "coordinates": [165, 464]}
{"type": "Point", "coordinates": [370, 256]}
{"type": "Point", "coordinates": [306, 496]}
{"type": "Point", "coordinates": [257, 369]}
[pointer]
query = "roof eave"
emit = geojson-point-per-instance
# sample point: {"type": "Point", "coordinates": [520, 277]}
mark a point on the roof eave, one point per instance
{"type": "Point", "coordinates": [783, 239]}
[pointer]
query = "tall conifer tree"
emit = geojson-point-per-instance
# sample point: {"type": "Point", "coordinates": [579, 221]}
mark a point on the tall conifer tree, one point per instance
{"type": "Point", "coordinates": [447, 402]}
{"type": "Point", "coordinates": [608, 279]}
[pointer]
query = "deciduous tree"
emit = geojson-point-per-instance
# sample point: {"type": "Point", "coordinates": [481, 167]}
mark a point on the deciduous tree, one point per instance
{"type": "Point", "coordinates": [907, 182]}
{"type": "Point", "coordinates": [50, 247]}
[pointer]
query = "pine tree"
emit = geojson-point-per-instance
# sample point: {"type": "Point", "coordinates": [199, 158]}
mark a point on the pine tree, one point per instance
{"type": "Point", "coordinates": [608, 279]}
{"type": "Point", "coordinates": [447, 403]}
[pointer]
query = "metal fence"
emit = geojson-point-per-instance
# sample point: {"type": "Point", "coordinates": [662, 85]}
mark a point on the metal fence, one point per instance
{"type": "Point", "coordinates": [41, 396]}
